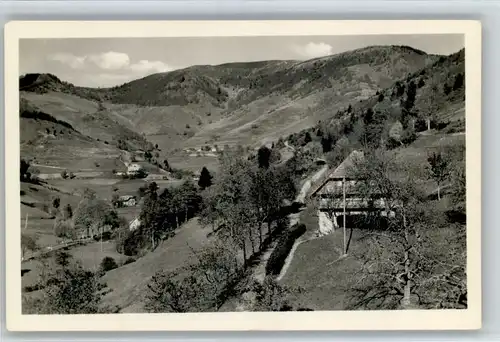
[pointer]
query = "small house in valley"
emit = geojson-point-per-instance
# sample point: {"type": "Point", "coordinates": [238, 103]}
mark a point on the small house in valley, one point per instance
{"type": "Point", "coordinates": [127, 201]}
{"type": "Point", "coordinates": [135, 170]}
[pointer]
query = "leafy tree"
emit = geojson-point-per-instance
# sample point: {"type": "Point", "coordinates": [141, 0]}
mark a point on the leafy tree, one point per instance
{"type": "Point", "coordinates": [74, 291]}
{"type": "Point", "coordinates": [64, 174]}
{"type": "Point", "coordinates": [263, 156]}
{"type": "Point", "coordinates": [438, 168]}
{"type": "Point", "coordinates": [226, 205]}
{"type": "Point", "coordinates": [62, 258]}
{"type": "Point", "coordinates": [28, 243]}
{"type": "Point", "coordinates": [190, 199]}
{"type": "Point", "coordinates": [205, 180]}
{"type": "Point", "coordinates": [271, 296]}
{"type": "Point", "coordinates": [166, 165]}
{"type": "Point", "coordinates": [115, 200]}
{"type": "Point", "coordinates": [24, 170]}
{"type": "Point", "coordinates": [459, 81]}
{"type": "Point", "coordinates": [68, 211]}
{"type": "Point", "coordinates": [142, 191]}
{"type": "Point", "coordinates": [373, 126]}
{"type": "Point", "coordinates": [399, 90]}
{"type": "Point", "coordinates": [196, 288]}
{"type": "Point", "coordinates": [307, 138]}
{"type": "Point", "coordinates": [168, 293]}
{"type": "Point", "coordinates": [149, 213]}
{"type": "Point", "coordinates": [92, 214]}
{"type": "Point", "coordinates": [56, 202]}
{"type": "Point", "coordinates": [408, 103]}
{"type": "Point", "coordinates": [446, 89]}
{"type": "Point", "coordinates": [432, 104]}
{"type": "Point", "coordinates": [380, 97]}
{"type": "Point", "coordinates": [108, 264]}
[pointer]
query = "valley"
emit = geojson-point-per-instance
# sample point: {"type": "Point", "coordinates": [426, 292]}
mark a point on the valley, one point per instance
{"type": "Point", "coordinates": [205, 175]}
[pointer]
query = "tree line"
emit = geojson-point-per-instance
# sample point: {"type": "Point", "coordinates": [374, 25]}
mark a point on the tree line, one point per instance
{"type": "Point", "coordinates": [246, 200]}
{"type": "Point", "coordinates": [243, 206]}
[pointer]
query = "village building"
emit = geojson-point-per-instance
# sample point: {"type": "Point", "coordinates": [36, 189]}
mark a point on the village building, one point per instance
{"type": "Point", "coordinates": [134, 224]}
{"type": "Point", "coordinates": [127, 201]}
{"type": "Point", "coordinates": [338, 198]}
{"type": "Point", "coordinates": [134, 169]}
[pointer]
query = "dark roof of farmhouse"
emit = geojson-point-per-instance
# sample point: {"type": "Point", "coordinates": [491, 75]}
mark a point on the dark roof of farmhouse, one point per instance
{"type": "Point", "coordinates": [126, 197]}
{"type": "Point", "coordinates": [341, 171]}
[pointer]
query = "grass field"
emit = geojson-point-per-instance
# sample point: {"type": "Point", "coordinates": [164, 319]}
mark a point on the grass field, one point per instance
{"type": "Point", "coordinates": [129, 282]}
{"type": "Point", "coordinates": [91, 255]}
{"type": "Point", "coordinates": [194, 164]}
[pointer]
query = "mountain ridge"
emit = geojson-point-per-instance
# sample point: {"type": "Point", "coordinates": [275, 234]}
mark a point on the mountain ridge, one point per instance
{"type": "Point", "coordinates": [248, 100]}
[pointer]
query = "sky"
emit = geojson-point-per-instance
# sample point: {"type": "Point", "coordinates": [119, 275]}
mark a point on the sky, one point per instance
{"type": "Point", "coordinates": [104, 62]}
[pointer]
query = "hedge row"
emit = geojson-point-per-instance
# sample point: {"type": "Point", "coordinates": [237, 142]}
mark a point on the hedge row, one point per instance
{"type": "Point", "coordinates": [285, 243]}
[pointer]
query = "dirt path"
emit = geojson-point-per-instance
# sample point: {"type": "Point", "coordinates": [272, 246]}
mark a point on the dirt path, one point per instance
{"type": "Point", "coordinates": [259, 269]}
{"type": "Point", "coordinates": [49, 166]}
{"type": "Point", "coordinates": [305, 189]}
{"type": "Point", "coordinates": [259, 272]}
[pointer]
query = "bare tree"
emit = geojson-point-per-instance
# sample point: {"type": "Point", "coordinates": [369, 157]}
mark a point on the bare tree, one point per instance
{"type": "Point", "coordinates": [397, 187]}
{"type": "Point", "coordinates": [406, 264]}
{"type": "Point", "coordinates": [439, 169]}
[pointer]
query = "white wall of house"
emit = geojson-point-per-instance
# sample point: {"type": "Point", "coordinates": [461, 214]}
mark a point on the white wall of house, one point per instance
{"type": "Point", "coordinates": [325, 223]}
{"type": "Point", "coordinates": [136, 223]}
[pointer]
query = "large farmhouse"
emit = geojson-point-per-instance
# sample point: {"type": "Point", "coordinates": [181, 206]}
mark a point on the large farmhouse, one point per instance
{"type": "Point", "coordinates": [338, 197]}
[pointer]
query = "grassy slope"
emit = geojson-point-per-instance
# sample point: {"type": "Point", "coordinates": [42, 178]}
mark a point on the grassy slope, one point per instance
{"type": "Point", "coordinates": [86, 117]}
{"type": "Point", "coordinates": [129, 282]}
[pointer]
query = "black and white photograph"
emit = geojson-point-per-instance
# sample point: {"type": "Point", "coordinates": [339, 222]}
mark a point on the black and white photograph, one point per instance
{"type": "Point", "coordinates": [244, 174]}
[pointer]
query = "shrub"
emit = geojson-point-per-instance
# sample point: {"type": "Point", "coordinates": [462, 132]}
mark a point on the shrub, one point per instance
{"type": "Point", "coordinates": [64, 228]}
{"type": "Point", "coordinates": [132, 243]}
{"type": "Point", "coordinates": [129, 261]}
{"type": "Point", "coordinates": [64, 174]}
{"type": "Point", "coordinates": [459, 82]}
{"type": "Point", "coordinates": [285, 243]}
{"type": "Point", "coordinates": [446, 89]}
{"type": "Point", "coordinates": [408, 136]}
{"type": "Point", "coordinates": [108, 264]}
{"type": "Point", "coordinates": [24, 166]}
{"type": "Point", "coordinates": [56, 202]}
